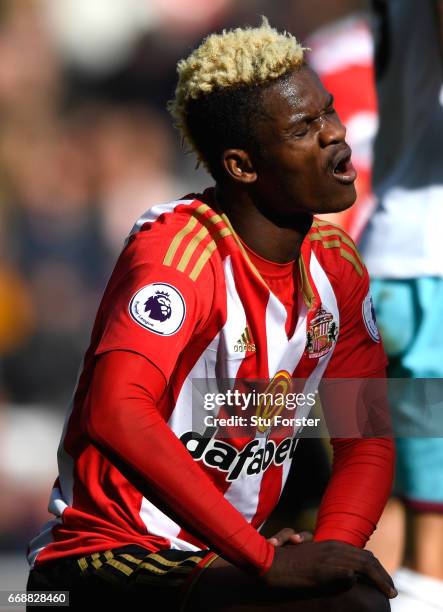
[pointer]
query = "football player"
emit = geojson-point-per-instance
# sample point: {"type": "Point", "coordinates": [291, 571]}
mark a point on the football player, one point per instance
{"type": "Point", "coordinates": [241, 282]}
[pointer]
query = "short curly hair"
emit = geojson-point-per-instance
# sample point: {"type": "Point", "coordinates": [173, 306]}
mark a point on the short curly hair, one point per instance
{"type": "Point", "coordinates": [217, 99]}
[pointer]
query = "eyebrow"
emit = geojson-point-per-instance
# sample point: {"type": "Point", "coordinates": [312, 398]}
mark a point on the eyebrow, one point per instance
{"type": "Point", "coordinates": [300, 117]}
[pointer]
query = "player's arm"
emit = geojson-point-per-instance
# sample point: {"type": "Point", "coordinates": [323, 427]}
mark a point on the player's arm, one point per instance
{"type": "Point", "coordinates": [123, 420]}
{"type": "Point", "coordinates": [357, 415]}
{"type": "Point", "coordinates": [354, 400]}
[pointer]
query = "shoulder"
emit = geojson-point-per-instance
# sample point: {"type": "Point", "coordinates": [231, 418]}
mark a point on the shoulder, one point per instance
{"type": "Point", "coordinates": [165, 268]}
{"type": "Point", "coordinates": [336, 251]}
{"type": "Point", "coordinates": [176, 237]}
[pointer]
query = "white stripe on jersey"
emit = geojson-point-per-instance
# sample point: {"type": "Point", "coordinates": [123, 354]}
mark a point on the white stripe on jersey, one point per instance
{"type": "Point", "coordinates": [57, 504]}
{"type": "Point", "coordinates": [61, 497]}
{"type": "Point", "coordinates": [158, 523]}
{"type": "Point", "coordinates": [65, 471]}
{"type": "Point", "coordinates": [244, 492]}
{"type": "Point", "coordinates": [284, 354]}
{"type": "Point", "coordinates": [44, 538]}
{"type": "Point", "coordinates": [154, 212]}
{"type": "Point", "coordinates": [329, 301]}
{"type": "Point", "coordinates": [211, 366]}
{"type": "Point", "coordinates": [228, 361]}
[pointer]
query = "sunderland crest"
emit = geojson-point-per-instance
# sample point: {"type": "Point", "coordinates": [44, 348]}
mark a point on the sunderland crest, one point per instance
{"type": "Point", "coordinates": [322, 333]}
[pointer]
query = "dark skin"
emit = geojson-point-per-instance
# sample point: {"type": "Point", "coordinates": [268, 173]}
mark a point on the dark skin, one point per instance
{"type": "Point", "coordinates": [305, 576]}
{"type": "Point", "coordinates": [270, 197]}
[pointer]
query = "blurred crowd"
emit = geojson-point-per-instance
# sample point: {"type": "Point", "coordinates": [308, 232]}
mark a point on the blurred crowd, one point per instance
{"type": "Point", "coordinates": [86, 146]}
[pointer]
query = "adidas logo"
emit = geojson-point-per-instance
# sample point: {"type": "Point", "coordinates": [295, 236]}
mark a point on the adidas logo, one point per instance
{"type": "Point", "coordinates": [244, 343]}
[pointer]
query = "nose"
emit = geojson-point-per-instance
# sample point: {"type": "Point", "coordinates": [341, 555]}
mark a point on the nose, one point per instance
{"type": "Point", "coordinates": [332, 130]}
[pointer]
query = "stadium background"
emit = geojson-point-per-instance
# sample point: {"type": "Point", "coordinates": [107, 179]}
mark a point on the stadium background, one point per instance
{"type": "Point", "coordinates": [85, 147]}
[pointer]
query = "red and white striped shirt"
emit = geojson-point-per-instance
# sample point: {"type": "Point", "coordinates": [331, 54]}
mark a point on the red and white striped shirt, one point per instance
{"type": "Point", "coordinates": [186, 295]}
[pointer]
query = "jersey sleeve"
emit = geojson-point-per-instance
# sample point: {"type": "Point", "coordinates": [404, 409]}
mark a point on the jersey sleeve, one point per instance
{"type": "Point", "coordinates": [359, 350]}
{"type": "Point", "coordinates": [122, 418]}
{"type": "Point", "coordinates": [360, 484]}
{"type": "Point", "coordinates": [152, 309]}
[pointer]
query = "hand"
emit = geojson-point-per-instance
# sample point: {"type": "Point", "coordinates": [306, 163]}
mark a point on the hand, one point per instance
{"type": "Point", "coordinates": [289, 536]}
{"type": "Point", "coordinates": [313, 565]}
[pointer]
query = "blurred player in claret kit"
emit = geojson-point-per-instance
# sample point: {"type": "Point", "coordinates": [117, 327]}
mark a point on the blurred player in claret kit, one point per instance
{"type": "Point", "coordinates": [146, 508]}
{"type": "Point", "coordinates": [403, 247]}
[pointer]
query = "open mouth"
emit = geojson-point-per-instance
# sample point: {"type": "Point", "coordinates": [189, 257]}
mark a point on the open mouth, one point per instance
{"type": "Point", "coordinates": [344, 171]}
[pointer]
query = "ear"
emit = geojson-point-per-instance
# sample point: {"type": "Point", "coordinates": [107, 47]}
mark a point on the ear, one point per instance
{"type": "Point", "coordinates": [238, 165]}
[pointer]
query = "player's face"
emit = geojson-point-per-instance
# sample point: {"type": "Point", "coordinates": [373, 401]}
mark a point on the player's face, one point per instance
{"type": "Point", "coordinates": [305, 161]}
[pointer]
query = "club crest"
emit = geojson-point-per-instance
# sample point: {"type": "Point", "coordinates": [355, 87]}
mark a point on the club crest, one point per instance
{"type": "Point", "coordinates": [322, 333]}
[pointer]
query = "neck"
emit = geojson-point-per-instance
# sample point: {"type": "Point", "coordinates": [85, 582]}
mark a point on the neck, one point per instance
{"type": "Point", "coordinates": [272, 238]}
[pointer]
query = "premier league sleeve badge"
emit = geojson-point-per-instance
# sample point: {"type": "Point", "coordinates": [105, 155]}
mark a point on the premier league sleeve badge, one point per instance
{"type": "Point", "coordinates": [368, 313]}
{"type": "Point", "coordinates": [159, 307]}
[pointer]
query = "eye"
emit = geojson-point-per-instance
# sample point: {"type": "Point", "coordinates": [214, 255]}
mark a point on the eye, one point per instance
{"type": "Point", "coordinates": [330, 110]}
{"type": "Point", "coordinates": [301, 130]}
{"type": "Point", "coordinates": [301, 133]}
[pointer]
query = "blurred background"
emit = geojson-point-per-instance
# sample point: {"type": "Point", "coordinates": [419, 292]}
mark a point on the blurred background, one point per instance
{"type": "Point", "coordinates": [85, 147]}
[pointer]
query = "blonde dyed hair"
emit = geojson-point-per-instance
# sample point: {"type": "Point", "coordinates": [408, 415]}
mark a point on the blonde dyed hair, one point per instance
{"type": "Point", "coordinates": [240, 57]}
